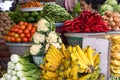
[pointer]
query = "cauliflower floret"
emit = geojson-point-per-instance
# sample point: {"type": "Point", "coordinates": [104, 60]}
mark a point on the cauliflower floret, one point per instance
{"type": "Point", "coordinates": [34, 49]}
{"type": "Point", "coordinates": [43, 25]}
{"type": "Point", "coordinates": [57, 45]}
{"type": "Point", "coordinates": [47, 46]}
{"type": "Point", "coordinates": [38, 38]}
{"type": "Point", "coordinates": [52, 37]}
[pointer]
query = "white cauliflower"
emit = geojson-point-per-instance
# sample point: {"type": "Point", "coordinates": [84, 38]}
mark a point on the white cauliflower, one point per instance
{"type": "Point", "coordinates": [34, 49]}
{"type": "Point", "coordinates": [52, 37]}
{"type": "Point", "coordinates": [57, 45]}
{"type": "Point", "coordinates": [47, 46]}
{"type": "Point", "coordinates": [43, 25]}
{"type": "Point", "coordinates": [38, 38]}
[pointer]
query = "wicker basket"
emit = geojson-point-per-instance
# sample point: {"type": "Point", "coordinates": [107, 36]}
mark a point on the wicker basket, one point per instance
{"type": "Point", "coordinates": [76, 38]}
{"type": "Point", "coordinates": [18, 48]}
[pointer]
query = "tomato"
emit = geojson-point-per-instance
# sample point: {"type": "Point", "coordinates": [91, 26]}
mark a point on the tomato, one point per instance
{"type": "Point", "coordinates": [16, 35]}
{"type": "Point", "coordinates": [25, 23]}
{"type": "Point", "coordinates": [28, 35]}
{"type": "Point", "coordinates": [21, 23]}
{"type": "Point", "coordinates": [30, 39]}
{"type": "Point", "coordinates": [16, 29]}
{"type": "Point", "coordinates": [22, 35]}
{"type": "Point", "coordinates": [26, 31]}
{"type": "Point", "coordinates": [20, 31]}
{"type": "Point", "coordinates": [18, 39]}
{"type": "Point", "coordinates": [12, 34]}
{"type": "Point", "coordinates": [22, 27]}
{"type": "Point", "coordinates": [12, 39]}
{"type": "Point", "coordinates": [12, 29]}
{"type": "Point", "coordinates": [33, 30]}
{"type": "Point", "coordinates": [8, 38]}
{"type": "Point", "coordinates": [29, 26]}
{"type": "Point", "coordinates": [25, 39]}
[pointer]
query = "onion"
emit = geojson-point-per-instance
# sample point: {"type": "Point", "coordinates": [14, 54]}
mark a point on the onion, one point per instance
{"type": "Point", "coordinates": [116, 19]}
{"type": "Point", "coordinates": [111, 19]}
{"type": "Point", "coordinates": [111, 24]}
{"type": "Point", "coordinates": [116, 28]}
{"type": "Point", "coordinates": [104, 17]}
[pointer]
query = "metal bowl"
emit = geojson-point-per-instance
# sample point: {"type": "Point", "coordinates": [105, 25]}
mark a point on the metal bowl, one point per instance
{"type": "Point", "coordinates": [18, 48]}
{"type": "Point", "coordinates": [76, 38]}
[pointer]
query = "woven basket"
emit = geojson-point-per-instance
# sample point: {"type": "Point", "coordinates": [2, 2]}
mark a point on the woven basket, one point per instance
{"type": "Point", "coordinates": [18, 48]}
{"type": "Point", "coordinates": [77, 38]}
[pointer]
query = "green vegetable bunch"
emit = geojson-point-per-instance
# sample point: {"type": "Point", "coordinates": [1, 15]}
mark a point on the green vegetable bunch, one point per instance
{"type": "Point", "coordinates": [110, 5]}
{"type": "Point", "coordinates": [56, 13]}
{"type": "Point", "coordinates": [21, 69]}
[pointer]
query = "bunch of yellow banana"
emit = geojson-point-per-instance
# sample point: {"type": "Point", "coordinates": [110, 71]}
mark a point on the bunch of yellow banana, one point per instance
{"type": "Point", "coordinates": [52, 60]}
{"type": "Point", "coordinates": [115, 55]}
{"type": "Point", "coordinates": [86, 58]}
{"type": "Point", "coordinates": [68, 63]}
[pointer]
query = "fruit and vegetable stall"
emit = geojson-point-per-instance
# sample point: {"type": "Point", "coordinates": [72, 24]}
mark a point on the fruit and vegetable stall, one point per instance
{"type": "Point", "coordinates": [46, 42]}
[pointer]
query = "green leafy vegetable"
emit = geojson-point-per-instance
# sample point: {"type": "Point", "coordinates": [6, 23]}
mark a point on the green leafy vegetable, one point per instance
{"type": "Point", "coordinates": [106, 7]}
{"type": "Point", "coordinates": [111, 2]}
{"type": "Point", "coordinates": [76, 10]}
{"type": "Point", "coordinates": [56, 13]}
{"type": "Point", "coordinates": [116, 8]}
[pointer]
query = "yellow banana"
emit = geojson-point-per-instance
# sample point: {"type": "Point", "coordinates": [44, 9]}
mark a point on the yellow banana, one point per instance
{"type": "Point", "coordinates": [96, 59]}
{"type": "Point", "coordinates": [64, 51]}
{"type": "Point", "coordinates": [82, 55]}
{"type": "Point", "coordinates": [60, 78]}
{"type": "Point", "coordinates": [85, 77]}
{"type": "Point", "coordinates": [61, 74]}
{"type": "Point", "coordinates": [50, 61]}
{"type": "Point", "coordinates": [54, 53]}
{"type": "Point", "coordinates": [42, 66]}
{"type": "Point", "coordinates": [90, 52]}
{"type": "Point", "coordinates": [69, 49]}
{"type": "Point", "coordinates": [50, 67]}
{"type": "Point", "coordinates": [115, 55]}
{"type": "Point", "coordinates": [51, 74]}
{"type": "Point", "coordinates": [67, 72]}
{"type": "Point", "coordinates": [80, 60]}
{"type": "Point", "coordinates": [84, 49]}
{"type": "Point", "coordinates": [115, 62]}
{"type": "Point", "coordinates": [74, 72]}
{"type": "Point", "coordinates": [46, 77]}
{"type": "Point", "coordinates": [74, 58]}
{"type": "Point", "coordinates": [66, 63]}
{"type": "Point", "coordinates": [48, 56]}
{"type": "Point", "coordinates": [56, 50]}
{"type": "Point", "coordinates": [81, 70]}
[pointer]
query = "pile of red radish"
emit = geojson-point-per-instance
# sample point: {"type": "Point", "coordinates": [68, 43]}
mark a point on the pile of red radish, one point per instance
{"type": "Point", "coordinates": [86, 22]}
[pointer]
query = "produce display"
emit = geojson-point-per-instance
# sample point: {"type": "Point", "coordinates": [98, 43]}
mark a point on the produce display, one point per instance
{"type": "Point", "coordinates": [21, 32]}
{"type": "Point", "coordinates": [71, 63]}
{"type": "Point", "coordinates": [86, 22]}
{"type": "Point", "coordinates": [31, 17]}
{"type": "Point", "coordinates": [112, 19]}
{"type": "Point", "coordinates": [110, 5]}
{"type": "Point", "coordinates": [115, 55]}
{"type": "Point", "coordinates": [19, 68]}
{"type": "Point", "coordinates": [5, 23]}
{"type": "Point", "coordinates": [31, 4]}
{"type": "Point", "coordinates": [44, 36]}
{"type": "Point", "coordinates": [56, 13]}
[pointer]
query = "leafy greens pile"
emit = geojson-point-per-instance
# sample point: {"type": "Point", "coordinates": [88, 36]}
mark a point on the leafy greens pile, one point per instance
{"type": "Point", "coordinates": [56, 13]}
